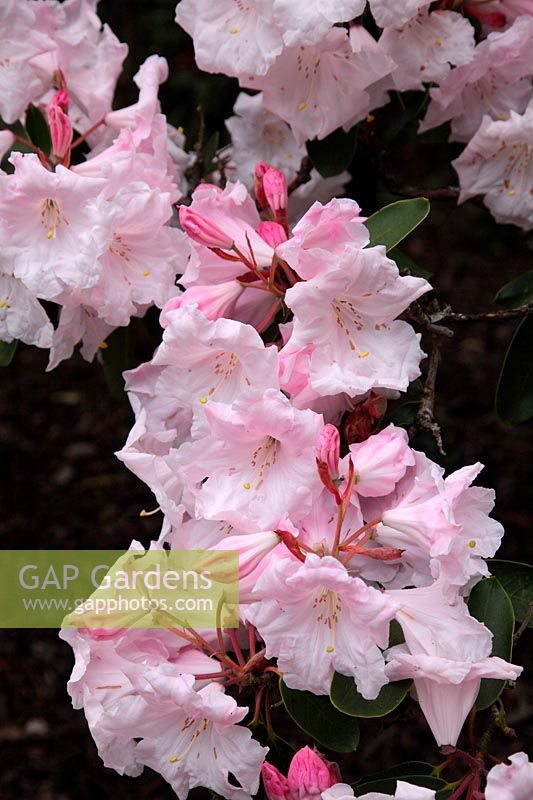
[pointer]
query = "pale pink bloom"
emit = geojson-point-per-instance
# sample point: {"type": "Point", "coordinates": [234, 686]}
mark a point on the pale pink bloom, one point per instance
{"type": "Point", "coordinates": [318, 88]}
{"type": "Point", "coordinates": [498, 164]}
{"type": "Point", "coordinates": [496, 81]}
{"type": "Point", "coordinates": [203, 361]}
{"type": "Point", "coordinates": [447, 653]}
{"type": "Point", "coordinates": [247, 39]}
{"type": "Point", "coordinates": [139, 116]}
{"type": "Point", "coordinates": [83, 49]}
{"type": "Point", "coordinates": [391, 13]}
{"type": "Point", "coordinates": [404, 791]}
{"type": "Point", "coordinates": [347, 315]}
{"type": "Point", "coordinates": [308, 776]}
{"type": "Point", "coordinates": [77, 323]}
{"type": "Point", "coordinates": [190, 737]}
{"type": "Point", "coordinates": [151, 455]}
{"type": "Point", "coordinates": [256, 462]}
{"type": "Point", "coordinates": [372, 56]}
{"type": "Point", "coordinates": [426, 46]}
{"type": "Point", "coordinates": [21, 315]}
{"type": "Point", "coordinates": [512, 781]}
{"type": "Point", "coordinates": [442, 524]}
{"type": "Point", "coordinates": [55, 226]}
{"type": "Point", "coordinates": [307, 21]}
{"type": "Point", "coordinates": [60, 129]}
{"type": "Point", "coordinates": [322, 233]}
{"type": "Point", "coordinates": [21, 41]}
{"type": "Point", "coordinates": [252, 549]}
{"type": "Point", "coordinates": [259, 135]}
{"type": "Point", "coordinates": [381, 461]}
{"type": "Point", "coordinates": [316, 619]}
{"type": "Point", "coordinates": [140, 264]}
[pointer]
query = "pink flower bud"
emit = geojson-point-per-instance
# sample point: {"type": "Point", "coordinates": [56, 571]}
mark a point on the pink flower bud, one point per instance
{"type": "Point", "coordinates": [275, 188]}
{"type": "Point", "coordinates": [272, 233]}
{"type": "Point", "coordinates": [309, 774]}
{"type": "Point", "coordinates": [276, 785]}
{"type": "Point", "coordinates": [202, 230]}
{"type": "Point", "coordinates": [327, 449]}
{"type": "Point", "coordinates": [260, 169]}
{"type": "Point", "coordinates": [60, 130]}
{"type": "Point", "coordinates": [61, 99]}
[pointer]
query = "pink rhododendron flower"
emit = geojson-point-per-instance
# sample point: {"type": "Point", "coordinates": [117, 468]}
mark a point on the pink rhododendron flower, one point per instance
{"type": "Point", "coordinates": [432, 519]}
{"type": "Point", "coordinates": [404, 791]}
{"type": "Point", "coordinates": [497, 164]}
{"type": "Point", "coordinates": [391, 13]}
{"type": "Point", "coordinates": [307, 21]}
{"type": "Point", "coordinates": [345, 316]}
{"type": "Point", "coordinates": [139, 116]}
{"type": "Point", "coordinates": [21, 315]}
{"type": "Point", "coordinates": [21, 42]}
{"type": "Point", "coordinates": [247, 39]}
{"type": "Point", "coordinates": [316, 619]}
{"type": "Point", "coordinates": [77, 323]}
{"type": "Point", "coordinates": [512, 781]}
{"type": "Point", "coordinates": [320, 87]}
{"type": "Point", "coordinates": [55, 226]}
{"type": "Point", "coordinates": [82, 49]}
{"type": "Point", "coordinates": [256, 462]}
{"type": "Point", "coordinates": [426, 46]}
{"type": "Point", "coordinates": [494, 82]}
{"type": "Point", "coordinates": [447, 653]}
{"type": "Point", "coordinates": [381, 461]}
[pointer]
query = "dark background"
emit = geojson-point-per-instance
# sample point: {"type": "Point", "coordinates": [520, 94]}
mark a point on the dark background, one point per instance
{"type": "Point", "coordinates": [62, 487]}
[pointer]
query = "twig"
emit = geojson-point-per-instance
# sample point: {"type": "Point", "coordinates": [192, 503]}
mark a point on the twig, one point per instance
{"type": "Point", "coordinates": [424, 418]}
{"type": "Point", "coordinates": [524, 624]}
{"type": "Point", "coordinates": [442, 193]}
{"type": "Point", "coordinates": [447, 315]}
{"type": "Point", "coordinates": [302, 176]}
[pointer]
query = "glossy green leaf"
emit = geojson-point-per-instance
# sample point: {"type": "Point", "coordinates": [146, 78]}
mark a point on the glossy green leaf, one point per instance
{"type": "Point", "coordinates": [346, 698]}
{"type": "Point", "coordinates": [37, 128]}
{"type": "Point", "coordinates": [332, 155]}
{"type": "Point", "coordinates": [393, 223]}
{"type": "Point", "coordinates": [316, 716]}
{"type": "Point", "coordinates": [407, 266]}
{"type": "Point", "coordinates": [116, 359]}
{"type": "Point", "coordinates": [514, 395]}
{"type": "Point", "coordinates": [517, 292]}
{"type": "Point", "coordinates": [7, 351]}
{"type": "Point", "coordinates": [517, 580]}
{"type": "Point", "coordinates": [490, 604]}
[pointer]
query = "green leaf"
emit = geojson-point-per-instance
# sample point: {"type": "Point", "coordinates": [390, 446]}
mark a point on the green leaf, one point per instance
{"type": "Point", "coordinates": [490, 604]}
{"type": "Point", "coordinates": [393, 223]}
{"type": "Point", "coordinates": [7, 351]}
{"type": "Point", "coordinates": [116, 359]}
{"type": "Point", "coordinates": [38, 129]}
{"type": "Point", "coordinates": [346, 698]}
{"type": "Point", "coordinates": [388, 785]}
{"type": "Point", "coordinates": [332, 155]}
{"type": "Point", "coordinates": [514, 395]}
{"type": "Point", "coordinates": [517, 580]}
{"type": "Point", "coordinates": [407, 266]}
{"type": "Point", "coordinates": [316, 716]}
{"type": "Point", "coordinates": [517, 292]}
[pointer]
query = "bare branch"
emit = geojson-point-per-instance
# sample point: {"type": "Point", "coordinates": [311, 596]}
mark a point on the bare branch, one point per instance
{"type": "Point", "coordinates": [302, 176]}
{"type": "Point", "coordinates": [447, 315]}
{"type": "Point", "coordinates": [424, 418]}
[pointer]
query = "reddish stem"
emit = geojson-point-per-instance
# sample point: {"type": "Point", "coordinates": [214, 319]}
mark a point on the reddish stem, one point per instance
{"type": "Point", "coordinates": [87, 133]}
